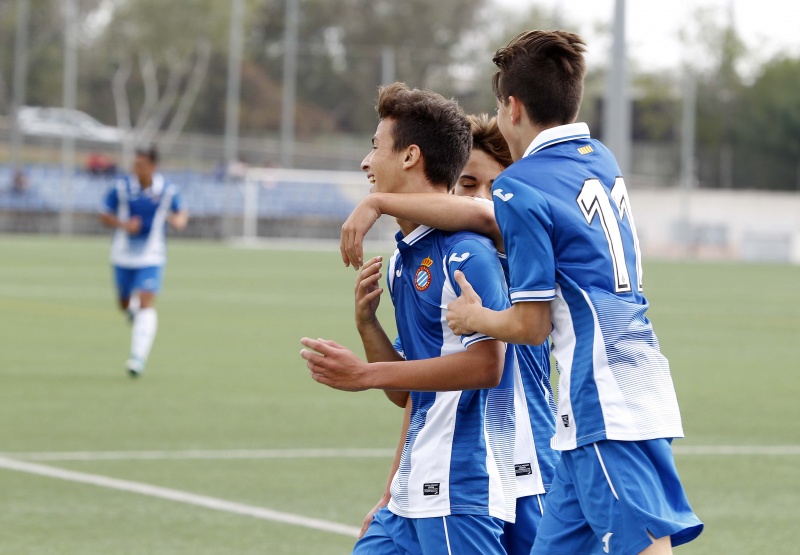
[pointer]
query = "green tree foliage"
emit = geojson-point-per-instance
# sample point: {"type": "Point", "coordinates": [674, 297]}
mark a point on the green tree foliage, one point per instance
{"type": "Point", "coordinates": [769, 125]}
{"type": "Point", "coordinates": [341, 45]}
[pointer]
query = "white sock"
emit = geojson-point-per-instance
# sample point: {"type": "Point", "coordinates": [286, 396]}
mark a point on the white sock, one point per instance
{"type": "Point", "coordinates": [133, 304]}
{"type": "Point", "coordinates": [145, 324]}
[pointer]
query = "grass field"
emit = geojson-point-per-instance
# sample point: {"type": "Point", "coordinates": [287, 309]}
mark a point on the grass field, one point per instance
{"type": "Point", "coordinates": [225, 375]}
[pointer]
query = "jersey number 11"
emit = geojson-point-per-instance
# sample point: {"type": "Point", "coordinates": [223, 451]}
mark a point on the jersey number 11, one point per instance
{"type": "Point", "coordinates": [594, 201]}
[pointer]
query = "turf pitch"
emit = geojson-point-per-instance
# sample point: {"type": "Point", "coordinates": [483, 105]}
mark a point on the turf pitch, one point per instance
{"type": "Point", "coordinates": [225, 374]}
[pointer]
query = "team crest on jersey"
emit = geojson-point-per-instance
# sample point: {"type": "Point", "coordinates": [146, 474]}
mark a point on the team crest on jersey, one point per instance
{"type": "Point", "coordinates": [423, 277]}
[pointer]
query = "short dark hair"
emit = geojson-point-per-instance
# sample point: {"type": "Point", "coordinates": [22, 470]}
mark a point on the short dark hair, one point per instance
{"type": "Point", "coordinates": [486, 137]}
{"type": "Point", "coordinates": [544, 70]}
{"type": "Point", "coordinates": [149, 152]}
{"type": "Point", "coordinates": [435, 124]}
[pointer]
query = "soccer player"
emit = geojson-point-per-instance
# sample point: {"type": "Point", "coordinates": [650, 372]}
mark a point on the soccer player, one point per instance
{"type": "Point", "coordinates": [534, 460]}
{"type": "Point", "coordinates": [575, 270]}
{"type": "Point", "coordinates": [139, 208]}
{"type": "Point", "coordinates": [454, 485]}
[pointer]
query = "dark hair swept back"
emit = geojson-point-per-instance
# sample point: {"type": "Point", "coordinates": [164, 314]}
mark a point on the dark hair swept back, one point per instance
{"type": "Point", "coordinates": [149, 152]}
{"type": "Point", "coordinates": [544, 70]}
{"type": "Point", "coordinates": [435, 124]}
{"type": "Point", "coordinates": [486, 137]}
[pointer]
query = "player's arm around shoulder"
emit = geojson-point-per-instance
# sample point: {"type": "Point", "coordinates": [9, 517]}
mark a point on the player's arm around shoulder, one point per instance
{"type": "Point", "coordinates": [480, 312]}
{"type": "Point", "coordinates": [440, 211]}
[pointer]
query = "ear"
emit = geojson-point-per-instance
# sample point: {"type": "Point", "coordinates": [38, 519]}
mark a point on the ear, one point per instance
{"type": "Point", "coordinates": [411, 157]}
{"type": "Point", "coordinates": [515, 109]}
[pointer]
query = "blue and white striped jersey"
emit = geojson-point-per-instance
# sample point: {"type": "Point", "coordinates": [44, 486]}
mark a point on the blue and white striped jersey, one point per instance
{"type": "Point", "coordinates": [127, 199]}
{"type": "Point", "coordinates": [570, 238]}
{"type": "Point", "coordinates": [535, 409]}
{"type": "Point", "coordinates": [458, 454]}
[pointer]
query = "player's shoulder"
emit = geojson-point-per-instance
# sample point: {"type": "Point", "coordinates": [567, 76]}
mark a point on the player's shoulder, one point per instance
{"type": "Point", "coordinates": [460, 245]}
{"type": "Point", "coordinates": [169, 185]}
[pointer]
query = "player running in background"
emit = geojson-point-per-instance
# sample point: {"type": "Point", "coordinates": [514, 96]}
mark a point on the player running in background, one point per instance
{"type": "Point", "coordinates": [575, 270]}
{"type": "Point", "coordinates": [454, 485]}
{"type": "Point", "coordinates": [139, 207]}
{"type": "Point", "coordinates": [534, 460]}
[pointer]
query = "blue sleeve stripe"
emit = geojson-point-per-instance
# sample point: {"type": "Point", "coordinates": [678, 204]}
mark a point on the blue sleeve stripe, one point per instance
{"type": "Point", "coordinates": [474, 338]}
{"type": "Point", "coordinates": [546, 295]}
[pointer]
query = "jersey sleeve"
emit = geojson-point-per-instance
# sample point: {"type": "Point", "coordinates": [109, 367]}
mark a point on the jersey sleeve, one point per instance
{"type": "Point", "coordinates": [525, 221]}
{"type": "Point", "coordinates": [110, 202]}
{"type": "Point", "coordinates": [177, 203]}
{"type": "Point", "coordinates": [398, 346]}
{"type": "Point", "coordinates": [482, 269]}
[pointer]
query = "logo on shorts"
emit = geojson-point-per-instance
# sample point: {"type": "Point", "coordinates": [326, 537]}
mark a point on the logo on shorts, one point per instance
{"type": "Point", "coordinates": [565, 420]}
{"type": "Point", "coordinates": [423, 278]}
{"type": "Point", "coordinates": [430, 489]}
{"type": "Point", "coordinates": [523, 469]}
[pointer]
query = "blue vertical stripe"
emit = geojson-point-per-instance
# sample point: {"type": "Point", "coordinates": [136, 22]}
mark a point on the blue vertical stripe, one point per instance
{"type": "Point", "coordinates": [586, 409]}
{"type": "Point", "coordinates": [469, 480]}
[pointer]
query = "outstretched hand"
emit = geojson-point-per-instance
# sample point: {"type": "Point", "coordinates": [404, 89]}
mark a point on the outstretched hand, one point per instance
{"type": "Point", "coordinates": [333, 365]}
{"type": "Point", "coordinates": [354, 229]}
{"type": "Point", "coordinates": [460, 313]}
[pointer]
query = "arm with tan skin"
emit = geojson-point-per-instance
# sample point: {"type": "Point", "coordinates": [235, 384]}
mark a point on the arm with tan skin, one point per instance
{"type": "Point", "coordinates": [445, 212]}
{"type": "Point", "coordinates": [387, 495]}
{"type": "Point", "coordinates": [178, 220]}
{"type": "Point", "coordinates": [479, 367]}
{"type": "Point", "coordinates": [132, 226]}
{"type": "Point", "coordinates": [525, 323]}
{"type": "Point", "coordinates": [377, 345]}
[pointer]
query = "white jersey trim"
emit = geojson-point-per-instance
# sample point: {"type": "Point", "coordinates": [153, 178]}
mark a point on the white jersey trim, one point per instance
{"type": "Point", "coordinates": [556, 135]}
{"type": "Point", "coordinates": [546, 295]}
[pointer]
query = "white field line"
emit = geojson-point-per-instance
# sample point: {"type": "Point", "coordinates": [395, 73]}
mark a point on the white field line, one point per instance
{"type": "Point", "coordinates": [179, 496]}
{"type": "Point", "coordinates": [256, 454]}
{"type": "Point", "coordinates": [204, 454]}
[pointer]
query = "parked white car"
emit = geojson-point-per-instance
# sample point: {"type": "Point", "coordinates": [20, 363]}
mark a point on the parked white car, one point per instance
{"type": "Point", "coordinates": [61, 122]}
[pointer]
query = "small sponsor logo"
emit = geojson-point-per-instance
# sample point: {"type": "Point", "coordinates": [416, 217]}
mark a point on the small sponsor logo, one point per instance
{"type": "Point", "coordinates": [586, 149]}
{"type": "Point", "coordinates": [458, 258]}
{"type": "Point", "coordinates": [523, 469]}
{"type": "Point", "coordinates": [504, 197]}
{"type": "Point", "coordinates": [430, 489]}
{"type": "Point", "coordinates": [565, 420]}
{"type": "Point", "coordinates": [423, 277]}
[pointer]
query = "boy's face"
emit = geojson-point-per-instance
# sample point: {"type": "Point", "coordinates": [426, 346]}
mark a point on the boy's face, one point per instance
{"type": "Point", "coordinates": [143, 168]}
{"type": "Point", "coordinates": [384, 167]}
{"type": "Point", "coordinates": [478, 175]}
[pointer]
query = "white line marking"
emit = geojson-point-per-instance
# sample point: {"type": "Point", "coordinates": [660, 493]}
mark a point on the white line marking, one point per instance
{"type": "Point", "coordinates": [179, 496]}
{"type": "Point", "coordinates": [234, 454]}
{"type": "Point", "coordinates": [203, 454]}
{"type": "Point", "coordinates": [736, 450]}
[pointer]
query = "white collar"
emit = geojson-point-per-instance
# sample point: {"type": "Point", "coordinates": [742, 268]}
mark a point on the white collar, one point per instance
{"type": "Point", "coordinates": [156, 187]}
{"type": "Point", "coordinates": [558, 135]}
{"type": "Point", "coordinates": [417, 234]}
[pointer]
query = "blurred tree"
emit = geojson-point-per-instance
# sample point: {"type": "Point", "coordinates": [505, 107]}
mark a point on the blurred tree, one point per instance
{"type": "Point", "coordinates": [714, 53]}
{"type": "Point", "coordinates": [769, 127]}
{"type": "Point", "coordinates": [45, 50]}
{"type": "Point", "coordinates": [168, 45]}
{"type": "Point", "coordinates": [342, 45]}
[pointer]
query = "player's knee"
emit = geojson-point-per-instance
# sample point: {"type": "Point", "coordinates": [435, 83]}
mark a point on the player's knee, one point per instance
{"type": "Point", "coordinates": [147, 300]}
